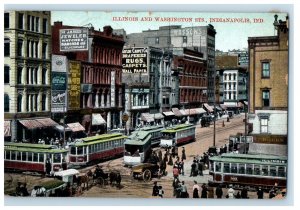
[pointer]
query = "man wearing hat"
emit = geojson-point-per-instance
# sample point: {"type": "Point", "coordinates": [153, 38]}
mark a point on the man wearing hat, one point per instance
{"type": "Point", "coordinates": [183, 156]}
{"type": "Point", "coordinates": [155, 189]}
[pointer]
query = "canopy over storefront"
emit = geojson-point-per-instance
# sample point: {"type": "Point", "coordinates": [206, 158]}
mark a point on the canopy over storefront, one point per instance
{"type": "Point", "coordinates": [38, 123]}
{"type": "Point", "coordinates": [168, 113]}
{"type": "Point", "coordinates": [207, 107]}
{"type": "Point", "coordinates": [97, 119]}
{"type": "Point", "coordinates": [147, 117]}
{"type": "Point", "coordinates": [76, 127]}
{"type": "Point", "coordinates": [157, 116]}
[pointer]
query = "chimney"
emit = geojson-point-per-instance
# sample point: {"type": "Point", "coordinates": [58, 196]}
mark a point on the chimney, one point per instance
{"type": "Point", "coordinates": [107, 30]}
{"type": "Point", "coordinates": [58, 23]}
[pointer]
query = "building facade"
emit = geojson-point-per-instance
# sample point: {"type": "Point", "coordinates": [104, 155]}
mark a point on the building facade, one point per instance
{"type": "Point", "coordinates": [101, 92]}
{"type": "Point", "coordinates": [268, 81]}
{"type": "Point", "coordinates": [27, 67]}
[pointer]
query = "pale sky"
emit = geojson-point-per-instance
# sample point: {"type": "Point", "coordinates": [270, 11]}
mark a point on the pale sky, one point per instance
{"type": "Point", "coordinates": [229, 35]}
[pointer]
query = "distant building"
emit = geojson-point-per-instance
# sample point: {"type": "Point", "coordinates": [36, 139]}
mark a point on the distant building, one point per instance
{"type": "Point", "coordinates": [27, 63]}
{"type": "Point", "coordinates": [268, 81]}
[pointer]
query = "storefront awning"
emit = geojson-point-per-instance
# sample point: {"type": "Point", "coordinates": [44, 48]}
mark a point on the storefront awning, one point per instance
{"type": "Point", "coordinates": [200, 110]}
{"type": "Point", "coordinates": [147, 117]}
{"type": "Point", "coordinates": [218, 108]}
{"type": "Point", "coordinates": [168, 113]}
{"type": "Point", "coordinates": [223, 106]}
{"type": "Point", "coordinates": [61, 128]}
{"type": "Point", "coordinates": [31, 124]}
{"type": "Point", "coordinates": [76, 127]}
{"type": "Point", "coordinates": [157, 116]}
{"type": "Point", "coordinates": [47, 122]}
{"type": "Point", "coordinates": [207, 107]}
{"type": "Point", "coordinates": [7, 131]}
{"type": "Point", "coordinates": [97, 119]}
{"type": "Point", "coordinates": [176, 112]}
{"type": "Point", "coordinates": [183, 112]}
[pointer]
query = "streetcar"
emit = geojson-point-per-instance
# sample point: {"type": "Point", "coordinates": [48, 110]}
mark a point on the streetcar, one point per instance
{"type": "Point", "coordinates": [137, 148]}
{"type": "Point", "coordinates": [155, 132]}
{"type": "Point", "coordinates": [177, 134]}
{"type": "Point", "coordinates": [95, 148]}
{"type": "Point", "coordinates": [34, 157]}
{"type": "Point", "coordinates": [264, 171]}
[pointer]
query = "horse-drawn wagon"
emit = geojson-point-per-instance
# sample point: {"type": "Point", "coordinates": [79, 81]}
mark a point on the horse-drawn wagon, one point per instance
{"type": "Point", "coordinates": [145, 171]}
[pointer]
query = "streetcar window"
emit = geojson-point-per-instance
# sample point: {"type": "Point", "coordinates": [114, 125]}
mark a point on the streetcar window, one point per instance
{"type": "Point", "coordinates": [211, 164]}
{"type": "Point", "coordinates": [281, 171]}
{"type": "Point", "coordinates": [13, 155]}
{"type": "Point", "coordinates": [35, 157]}
{"type": "Point", "coordinates": [218, 167]}
{"type": "Point", "coordinates": [256, 170]}
{"type": "Point", "coordinates": [29, 156]}
{"type": "Point", "coordinates": [233, 168]}
{"type": "Point", "coordinates": [273, 171]}
{"type": "Point", "coordinates": [41, 157]}
{"type": "Point", "coordinates": [73, 150]}
{"type": "Point", "coordinates": [226, 168]}
{"type": "Point", "coordinates": [79, 150]}
{"type": "Point", "coordinates": [241, 169]}
{"type": "Point", "coordinates": [18, 154]}
{"type": "Point", "coordinates": [24, 156]}
{"type": "Point", "coordinates": [264, 171]}
{"type": "Point", "coordinates": [84, 150]}
{"type": "Point", "coordinates": [57, 158]}
{"type": "Point", "coordinates": [7, 155]}
{"type": "Point", "coordinates": [249, 169]}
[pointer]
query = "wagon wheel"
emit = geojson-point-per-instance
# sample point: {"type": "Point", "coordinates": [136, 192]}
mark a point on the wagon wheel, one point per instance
{"type": "Point", "coordinates": [100, 182]}
{"type": "Point", "coordinates": [147, 175]}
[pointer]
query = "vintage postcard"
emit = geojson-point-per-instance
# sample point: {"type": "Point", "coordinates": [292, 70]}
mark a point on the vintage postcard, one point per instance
{"type": "Point", "coordinates": [146, 104]}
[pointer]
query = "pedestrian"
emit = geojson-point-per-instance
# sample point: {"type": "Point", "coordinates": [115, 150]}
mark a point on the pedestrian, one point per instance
{"type": "Point", "coordinates": [182, 167]}
{"type": "Point", "coordinates": [160, 192]}
{"type": "Point", "coordinates": [184, 192]}
{"type": "Point", "coordinates": [170, 160]}
{"type": "Point", "coordinates": [219, 191]}
{"type": "Point", "coordinates": [175, 172]}
{"type": "Point", "coordinates": [200, 168]}
{"type": "Point", "coordinates": [244, 193]}
{"type": "Point", "coordinates": [260, 193]}
{"type": "Point", "coordinates": [163, 167]}
{"type": "Point", "coordinates": [230, 192]}
{"type": "Point", "coordinates": [210, 192]}
{"type": "Point", "coordinates": [225, 149]}
{"type": "Point", "coordinates": [193, 166]}
{"type": "Point", "coordinates": [196, 190]}
{"type": "Point", "coordinates": [238, 195]}
{"type": "Point", "coordinates": [159, 155]}
{"type": "Point", "coordinates": [155, 189]}
{"type": "Point", "coordinates": [165, 157]}
{"type": "Point", "coordinates": [183, 154]}
{"type": "Point", "coordinates": [272, 193]}
{"type": "Point", "coordinates": [204, 191]}
{"type": "Point", "coordinates": [176, 187]}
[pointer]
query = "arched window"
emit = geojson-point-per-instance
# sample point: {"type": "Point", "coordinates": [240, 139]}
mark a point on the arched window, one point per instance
{"type": "Point", "coordinates": [6, 102]}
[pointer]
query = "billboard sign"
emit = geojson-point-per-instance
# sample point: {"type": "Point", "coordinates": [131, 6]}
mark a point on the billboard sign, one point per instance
{"type": "Point", "coordinates": [58, 101]}
{"type": "Point", "coordinates": [59, 81]}
{"type": "Point", "coordinates": [243, 59]}
{"type": "Point", "coordinates": [74, 85]}
{"type": "Point", "coordinates": [75, 39]}
{"type": "Point", "coordinates": [134, 60]}
{"type": "Point", "coordinates": [59, 63]}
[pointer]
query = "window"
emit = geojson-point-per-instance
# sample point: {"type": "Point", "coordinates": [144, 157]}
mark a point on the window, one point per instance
{"type": "Point", "coordinates": [44, 75]}
{"type": "Point", "coordinates": [6, 74]}
{"type": "Point", "coordinates": [37, 49]}
{"type": "Point", "coordinates": [45, 23]}
{"type": "Point", "coordinates": [32, 23]}
{"type": "Point", "coordinates": [28, 22]}
{"type": "Point", "coordinates": [57, 158]}
{"type": "Point", "coordinates": [13, 155]}
{"type": "Point", "coordinates": [19, 75]}
{"type": "Point", "coordinates": [29, 156]}
{"type": "Point", "coordinates": [272, 170]}
{"type": "Point", "coordinates": [32, 48]}
{"type": "Point", "coordinates": [41, 157]}
{"type": "Point", "coordinates": [264, 171]}
{"type": "Point", "coordinates": [35, 157]}
{"type": "Point", "coordinates": [6, 47]}
{"type": "Point", "coordinates": [20, 46]}
{"type": "Point", "coordinates": [145, 40]}
{"type": "Point", "coordinates": [6, 102]}
{"type": "Point", "coordinates": [19, 105]}
{"type": "Point", "coordinates": [233, 168]}
{"type": "Point", "coordinates": [6, 20]}
{"type": "Point", "coordinates": [226, 168]}
{"type": "Point", "coordinates": [44, 51]}
{"type": "Point", "coordinates": [266, 70]}
{"type": "Point", "coordinates": [241, 169]}
{"type": "Point", "coordinates": [37, 24]}
{"type": "Point", "coordinates": [266, 97]}
{"type": "Point", "coordinates": [256, 170]}
{"type": "Point", "coordinates": [264, 125]}
{"type": "Point", "coordinates": [249, 169]}
{"type": "Point", "coordinates": [7, 155]}
{"type": "Point", "coordinates": [24, 156]}
{"type": "Point", "coordinates": [20, 26]}
{"type": "Point", "coordinates": [218, 167]}
{"type": "Point", "coordinates": [156, 40]}
{"type": "Point", "coordinates": [18, 154]}
{"type": "Point", "coordinates": [184, 39]}
{"type": "Point", "coordinates": [281, 171]}
{"type": "Point", "coordinates": [43, 102]}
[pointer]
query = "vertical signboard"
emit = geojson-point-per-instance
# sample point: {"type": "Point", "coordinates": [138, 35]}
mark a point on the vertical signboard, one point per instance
{"type": "Point", "coordinates": [112, 88]}
{"type": "Point", "coordinates": [134, 60]}
{"type": "Point", "coordinates": [74, 85]}
{"type": "Point", "coordinates": [58, 101]}
{"type": "Point", "coordinates": [75, 39]}
{"type": "Point", "coordinates": [59, 81]}
{"type": "Point", "coordinates": [59, 63]}
{"type": "Point", "coordinates": [243, 59]}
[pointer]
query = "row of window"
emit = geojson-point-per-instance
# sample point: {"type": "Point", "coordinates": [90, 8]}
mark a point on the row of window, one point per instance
{"type": "Point", "coordinates": [33, 23]}
{"type": "Point", "coordinates": [32, 103]}
{"type": "Point", "coordinates": [230, 77]}
{"type": "Point", "coordinates": [250, 169]}
{"type": "Point", "coordinates": [185, 133]}
{"type": "Point", "coordinates": [30, 156]}
{"type": "Point", "coordinates": [97, 147]}
{"type": "Point", "coordinates": [32, 50]}
{"type": "Point", "coordinates": [30, 78]}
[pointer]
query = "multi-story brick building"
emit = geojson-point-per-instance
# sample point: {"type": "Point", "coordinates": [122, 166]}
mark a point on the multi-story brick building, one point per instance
{"type": "Point", "coordinates": [101, 78]}
{"type": "Point", "coordinates": [268, 81]}
{"type": "Point", "coordinates": [27, 63]}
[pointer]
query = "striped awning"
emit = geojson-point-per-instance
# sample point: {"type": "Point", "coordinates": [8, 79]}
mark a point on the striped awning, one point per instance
{"type": "Point", "coordinates": [176, 112]}
{"type": "Point", "coordinates": [38, 123]}
{"type": "Point", "coordinates": [207, 107]}
{"type": "Point", "coordinates": [7, 131]}
{"type": "Point", "coordinates": [223, 106]}
{"type": "Point", "coordinates": [97, 119]}
{"type": "Point", "coordinates": [157, 116]}
{"type": "Point", "coordinates": [168, 113]}
{"type": "Point", "coordinates": [147, 117]}
{"type": "Point", "coordinates": [76, 127]}
{"type": "Point", "coordinates": [183, 112]}
{"type": "Point", "coordinates": [200, 110]}
{"type": "Point", "coordinates": [47, 122]}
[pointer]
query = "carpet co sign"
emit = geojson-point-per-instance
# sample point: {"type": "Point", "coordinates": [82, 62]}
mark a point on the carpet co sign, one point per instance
{"type": "Point", "coordinates": [75, 39]}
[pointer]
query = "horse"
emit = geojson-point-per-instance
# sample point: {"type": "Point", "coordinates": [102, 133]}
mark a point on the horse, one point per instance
{"type": "Point", "coordinates": [115, 176]}
{"type": "Point", "coordinates": [82, 180]}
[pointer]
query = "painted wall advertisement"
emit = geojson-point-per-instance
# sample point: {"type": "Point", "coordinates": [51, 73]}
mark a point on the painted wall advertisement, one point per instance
{"type": "Point", "coordinates": [134, 60]}
{"type": "Point", "coordinates": [75, 39]}
{"type": "Point", "coordinates": [74, 85]}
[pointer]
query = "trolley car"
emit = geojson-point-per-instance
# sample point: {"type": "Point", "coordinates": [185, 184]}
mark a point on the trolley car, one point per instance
{"type": "Point", "coordinates": [266, 171]}
{"type": "Point", "coordinates": [155, 132]}
{"type": "Point", "coordinates": [33, 157]}
{"type": "Point", "coordinates": [178, 134]}
{"type": "Point", "coordinates": [137, 148]}
{"type": "Point", "coordinates": [96, 148]}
